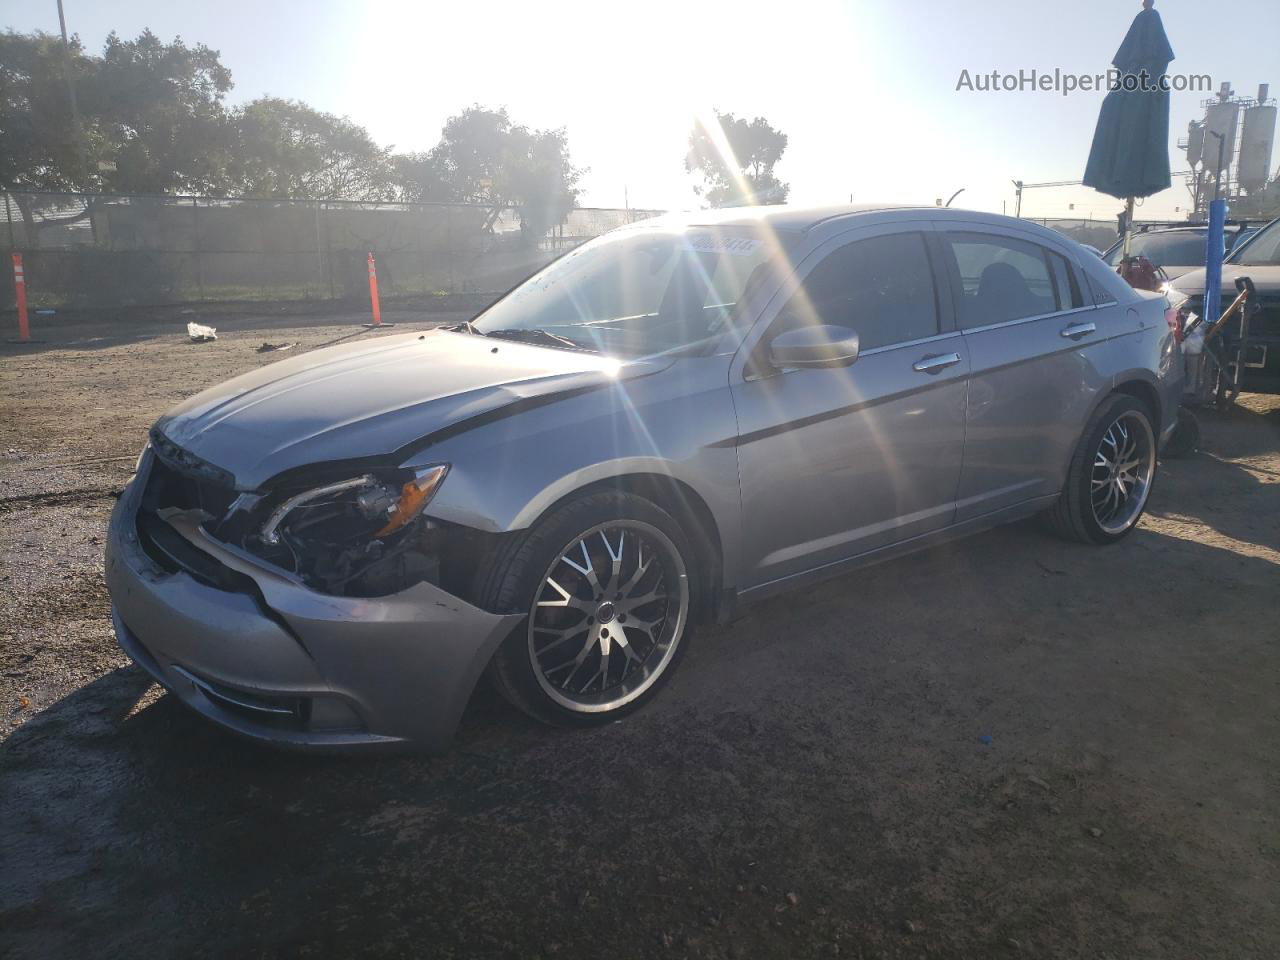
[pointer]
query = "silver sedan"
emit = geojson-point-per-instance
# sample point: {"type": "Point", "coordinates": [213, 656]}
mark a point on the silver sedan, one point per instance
{"type": "Point", "coordinates": [662, 425]}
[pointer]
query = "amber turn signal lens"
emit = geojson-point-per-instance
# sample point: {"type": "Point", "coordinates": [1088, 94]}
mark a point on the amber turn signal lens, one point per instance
{"type": "Point", "coordinates": [413, 497]}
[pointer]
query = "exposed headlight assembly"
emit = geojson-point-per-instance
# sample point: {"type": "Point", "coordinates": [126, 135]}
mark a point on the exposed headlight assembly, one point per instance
{"type": "Point", "coordinates": [363, 536]}
{"type": "Point", "coordinates": [374, 499]}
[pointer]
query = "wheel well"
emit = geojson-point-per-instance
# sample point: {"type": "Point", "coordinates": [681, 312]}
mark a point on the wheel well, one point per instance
{"type": "Point", "coordinates": [1146, 394]}
{"type": "Point", "coordinates": [694, 516]}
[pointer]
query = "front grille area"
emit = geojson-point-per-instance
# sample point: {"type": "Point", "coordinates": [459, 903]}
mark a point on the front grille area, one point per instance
{"type": "Point", "coordinates": [171, 551]}
{"type": "Point", "coordinates": [171, 486]}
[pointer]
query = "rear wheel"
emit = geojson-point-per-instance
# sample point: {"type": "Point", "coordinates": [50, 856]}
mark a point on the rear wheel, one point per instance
{"type": "Point", "coordinates": [1110, 476]}
{"type": "Point", "coordinates": [606, 584]}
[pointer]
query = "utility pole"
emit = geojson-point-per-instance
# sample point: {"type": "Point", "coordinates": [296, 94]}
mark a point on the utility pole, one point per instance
{"type": "Point", "coordinates": [1017, 208]}
{"type": "Point", "coordinates": [77, 129]}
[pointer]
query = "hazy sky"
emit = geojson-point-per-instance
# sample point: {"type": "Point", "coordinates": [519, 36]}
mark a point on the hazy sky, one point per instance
{"type": "Point", "coordinates": [865, 89]}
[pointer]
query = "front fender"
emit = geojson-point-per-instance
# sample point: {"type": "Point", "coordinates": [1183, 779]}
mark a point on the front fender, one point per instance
{"type": "Point", "coordinates": [679, 424]}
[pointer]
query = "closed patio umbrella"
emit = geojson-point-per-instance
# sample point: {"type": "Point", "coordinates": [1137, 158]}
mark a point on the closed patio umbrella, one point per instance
{"type": "Point", "coordinates": [1130, 153]}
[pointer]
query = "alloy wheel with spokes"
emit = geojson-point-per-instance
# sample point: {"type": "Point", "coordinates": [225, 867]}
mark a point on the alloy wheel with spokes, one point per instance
{"type": "Point", "coordinates": [1122, 467]}
{"type": "Point", "coordinates": [1110, 475]}
{"type": "Point", "coordinates": [608, 616]}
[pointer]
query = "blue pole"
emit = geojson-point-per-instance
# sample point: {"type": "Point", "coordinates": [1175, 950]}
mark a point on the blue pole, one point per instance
{"type": "Point", "coordinates": [1214, 249]}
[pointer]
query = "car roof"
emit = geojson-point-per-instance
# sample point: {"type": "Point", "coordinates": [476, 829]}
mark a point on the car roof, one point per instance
{"type": "Point", "coordinates": [802, 219]}
{"type": "Point", "coordinates": [777, 216]}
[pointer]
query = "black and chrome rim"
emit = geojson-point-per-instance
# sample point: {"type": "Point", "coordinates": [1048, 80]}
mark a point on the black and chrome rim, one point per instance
{"type": "Point", "coordinates": [607, 616]}
{"type": "Point", "coordinates": [1122, 469]}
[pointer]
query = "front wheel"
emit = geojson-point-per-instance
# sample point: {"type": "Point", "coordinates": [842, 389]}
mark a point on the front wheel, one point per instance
{"type": "Point", "coordinates": [606, 585]}
{"type": "Point", "coordinates": [1110, 476]}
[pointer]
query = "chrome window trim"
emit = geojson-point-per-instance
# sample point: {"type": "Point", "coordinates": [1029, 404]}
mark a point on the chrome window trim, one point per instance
{"type": "Point", "coordinates": [950, 334]}
{"type": "Point", "coordinates": [1020, 320]}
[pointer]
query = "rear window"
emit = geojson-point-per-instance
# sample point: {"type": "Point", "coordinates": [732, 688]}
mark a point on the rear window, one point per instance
{"type": "Point", "coordinates": [1184, 248]}
{"type": "Point", "coordinates": [1262, 249]}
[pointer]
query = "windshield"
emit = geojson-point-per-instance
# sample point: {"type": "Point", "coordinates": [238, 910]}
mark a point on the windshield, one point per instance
{"type": "Point", "coordinates": [1182, 249]}
{"type": "Point", "coordinates": [1262, 249]}
{"type": "Point", "coordinates": [638, 291]}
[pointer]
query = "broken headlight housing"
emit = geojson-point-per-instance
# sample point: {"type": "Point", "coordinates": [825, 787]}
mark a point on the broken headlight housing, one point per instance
{"type": "Point", "coordinates": [362, 536]}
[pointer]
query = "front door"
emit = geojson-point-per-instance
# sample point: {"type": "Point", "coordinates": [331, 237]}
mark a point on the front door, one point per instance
{"type": "Point", "coordinates": [836, 462]}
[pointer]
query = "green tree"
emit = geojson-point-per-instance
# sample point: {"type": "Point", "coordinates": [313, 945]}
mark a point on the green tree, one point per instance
{"type": "Point", "coordinates": [288, 150]}
{"type": "Point", "coordinates": [39, 149]}
{"type": "Point", "coordinates": [471, 154]}
{"type": "Point", "coordinates": [152, 119]}
{"type": "Point", "coordinates": [158, 111]}
{"type": "Point", "coordinates": [483, 157]}
{"type": "Point", "coordinates": [418, 178]}
{"type": "Point", "coordinates": [538, 176]}
{"type": "Point", "coordinates": [744, 173]}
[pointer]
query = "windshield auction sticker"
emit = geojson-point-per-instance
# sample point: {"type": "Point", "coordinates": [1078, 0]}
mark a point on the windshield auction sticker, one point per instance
{"type": "Point", "coordinates": [710, 243]}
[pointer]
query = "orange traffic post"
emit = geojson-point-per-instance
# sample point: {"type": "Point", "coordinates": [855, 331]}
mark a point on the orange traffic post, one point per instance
{"type": "Point", "coordinates": [20, 294]}
{"type": "Point", "coordinates": [373, 296]}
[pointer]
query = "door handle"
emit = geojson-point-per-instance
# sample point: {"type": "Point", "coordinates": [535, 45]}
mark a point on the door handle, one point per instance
{"type": "Point", "coordinates": [935, 362]}
{"type": "Point", "coordinates": [1074, 331]}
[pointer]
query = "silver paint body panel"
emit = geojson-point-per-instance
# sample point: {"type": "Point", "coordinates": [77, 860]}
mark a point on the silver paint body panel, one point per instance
{"type": "Point", "coordinates": [804, 473]}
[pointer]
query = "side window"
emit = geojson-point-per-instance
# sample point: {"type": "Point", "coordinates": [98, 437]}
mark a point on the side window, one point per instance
{"type": "Point", "coordinates": [1066, 289]}
{"type": "Point", "coordinates": [881, 287]}
{"type": "Point", "coordinates": [1101, 295]}
{"type": "Point", "coordinates": [1003, 279]}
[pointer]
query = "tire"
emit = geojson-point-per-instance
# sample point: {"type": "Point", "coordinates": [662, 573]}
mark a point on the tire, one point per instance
{"type": "Point", "coordinates": [592, 648]}
{"type": "Point", "coordinates": [1186, 436]}
{"type": "Point", "coordinates": [1102, 504]}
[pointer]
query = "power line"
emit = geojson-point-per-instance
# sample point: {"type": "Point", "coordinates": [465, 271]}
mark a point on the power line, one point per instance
{"type": "Point", "coordinates": [1080, 183]}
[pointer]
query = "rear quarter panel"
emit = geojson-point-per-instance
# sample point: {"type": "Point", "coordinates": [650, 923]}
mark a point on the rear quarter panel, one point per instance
{"type": "Point", "coordinates": [1148, 353]}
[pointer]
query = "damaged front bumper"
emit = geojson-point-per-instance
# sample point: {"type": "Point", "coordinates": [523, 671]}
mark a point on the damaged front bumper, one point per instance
{"type": "Point", "coordinates": [265, 656]}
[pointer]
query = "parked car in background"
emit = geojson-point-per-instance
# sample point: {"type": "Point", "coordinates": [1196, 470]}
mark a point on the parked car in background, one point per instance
{"type": "Point", "coordinates": [1259, 259]}
{"type": "Point", "coordinates": [667, 422]}
{"type": "Point", "coordinates": [1176, 250]}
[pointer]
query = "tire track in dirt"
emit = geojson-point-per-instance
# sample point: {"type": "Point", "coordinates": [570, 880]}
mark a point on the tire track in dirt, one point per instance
{"type": "Point", "coordinates": [58, 498]}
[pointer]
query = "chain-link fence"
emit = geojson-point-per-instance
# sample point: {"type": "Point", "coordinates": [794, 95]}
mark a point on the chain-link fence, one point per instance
{"type": "Point", "coordinates": [112, 251]}
{"type": "Point", "coordinates": [97, 250]}
{"type": "Point", "coordinates": [1096, 233]}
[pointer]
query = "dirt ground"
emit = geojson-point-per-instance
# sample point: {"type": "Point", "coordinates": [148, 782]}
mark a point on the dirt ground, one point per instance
{"type": "Point", "coordinates": [1009, 746]}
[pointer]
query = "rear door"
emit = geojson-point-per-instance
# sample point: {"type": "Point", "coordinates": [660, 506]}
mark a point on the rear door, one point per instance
{"type": "Point", "coordinates": [840, 461]}
{"type": "Point", "coordinates": [1037, 355]}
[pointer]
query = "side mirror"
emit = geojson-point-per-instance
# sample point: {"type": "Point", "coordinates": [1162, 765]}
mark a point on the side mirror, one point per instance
{"type": "Point", "coordinates": [814, 346]}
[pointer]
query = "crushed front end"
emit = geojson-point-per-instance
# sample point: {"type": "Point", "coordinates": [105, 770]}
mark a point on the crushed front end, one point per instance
{"type": "Point", "coordinates": [322, 613]}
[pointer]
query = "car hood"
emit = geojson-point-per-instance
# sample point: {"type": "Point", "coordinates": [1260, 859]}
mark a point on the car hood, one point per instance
{"type": "Point", "coordinates": [374, 399]}
{"type": "Point", "coordinates": [1266, 280]}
